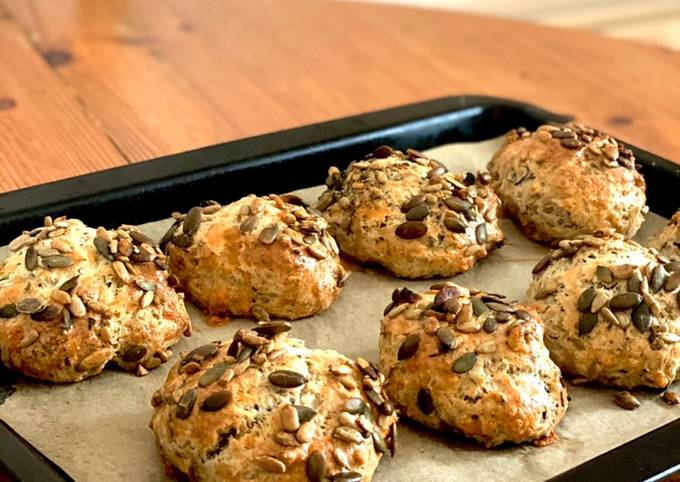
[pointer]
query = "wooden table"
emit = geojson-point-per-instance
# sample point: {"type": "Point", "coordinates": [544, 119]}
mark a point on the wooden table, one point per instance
{"type": "Point", "coordinates": [91, 84]}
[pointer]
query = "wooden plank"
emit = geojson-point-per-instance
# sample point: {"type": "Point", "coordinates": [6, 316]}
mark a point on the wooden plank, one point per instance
{"type": "Point", "coordinates": [44, 133]}
{"type": "Point", "coordinates": [162, 77]}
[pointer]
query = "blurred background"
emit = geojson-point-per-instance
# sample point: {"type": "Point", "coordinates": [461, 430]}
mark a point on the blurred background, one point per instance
{"type": "Point", "coordinates": [651, 21]}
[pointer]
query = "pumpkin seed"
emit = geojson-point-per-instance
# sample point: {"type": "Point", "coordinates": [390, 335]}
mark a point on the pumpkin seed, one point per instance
{"type": "Point", "coordinates": [481, 233]}
{"type": "Point", "coordinates": [490, 324]}
{"type": "Point", "coordinates": [626, 400]}
{"type": "Point", "coordinates": [286, 379]}
{"type": "Point", "coordinates": [379, 443]}
{"type": "Point", "coordinates": [145, 285]}
{"type": "Point", "coordinates": [69, 284]}
{"type": "Point", "coordinates": [354, 405]}
{"type": "Point", "coordinates": [657, 279]}
{"type": "Point", "coordinates": [454, 224]}
{"type": "Point", "coordinates": [418, 213]}
{"type": "Point", "coordinates": [586, 299]}
{"type": "Point", "coordinates": [48, 313]}
{"type": "Point", "coordinates": [102, 247]}
{"type": "Point", "coordinates": [249, 224]}
{"type": "Point", "coordinates": [168, 234]}
{"type": "Point", "coordinates": [9, 311]}
{"type": "Point", "coordinates": [413, 202]}
{"type": "Point", "coordinates": [182, 240]}
{"type": "Point", "coordinates": [409, 347]}
{"type": "Point", "coordinates": [672, 282]}
{"type": "Point", "coordinates": [216, 401]}
{"type": "Point", "coordinates": [542, 264]}
{"type": "Point", "coordinates": [273, 328]}
{"type": "Point", "coordinates": [623, 271]}
{"type": "Point", "coordinates": [478, 306]}
{"type": "Point", "coordinates": [411, 230]}
{"type": "Point", "coordinates": [211, 375]}
{"type": "Point", "coordinates": [642, 318]}
{"type": "Point", "coordinates": [625, 301]}
{"type": "Point", "coordinates": [605, 276]}
{"type": "Point", "coordinates": [186, 404]}
{"type": "Point", "coordinates": [465, 363]}
{"type": "Point", "coordinates": [29, 306]}
{"type": "Point", "coordinates": [457, 204]}
{"type": "Point", "coordinates": [315, 467]}
{"type": "Point", "coordinates": [523, 315]}
{"type": "Point", "coordinates": [425, 401]}
{"type": "Point", "coordinates": [447, 340]}
{"type": "Point", "coordinates": [192, 221]}
{"type": "Point", "coordinates": [673, 266]}
{"type": "Point", "coordinates": [269, 234]}
{"type": "Point", "coordinates": [500, 307]}
{"type": "Point", "coordinates": [31, 258]}
{"type": "Point", "coordinates": [201, 353]}
{"type": "Point", "coordinates": [57, 261]}
{"type": "Point", "coordinates": [587, 323]}
{"type": "Point", "coordinates": [133, 353]}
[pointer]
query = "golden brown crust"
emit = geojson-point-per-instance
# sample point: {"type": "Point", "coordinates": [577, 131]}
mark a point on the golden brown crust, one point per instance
{"type": "Point", "coordinates": [611, 311]}
{"type": "Point", "coordinates": [406, 213]}
{"type": "Point", "coordinates": [667, 241]}
{"type": "Point", "coordinates": [467, 362]}
{"type": "Point", "coordinates": [90, 303]}
{"type": "Point", "coordinates": [257, 257]}
{"type": "Point", "coordinates": [224, 412]}
{"type": "Point", "coordinates": [562, 182]}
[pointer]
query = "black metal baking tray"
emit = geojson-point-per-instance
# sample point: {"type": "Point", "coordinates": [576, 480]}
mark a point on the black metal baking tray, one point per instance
{"type": "Point", "coordinates": [294, 159]}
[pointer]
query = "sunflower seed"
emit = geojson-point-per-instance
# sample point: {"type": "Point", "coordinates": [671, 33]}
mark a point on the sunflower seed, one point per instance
{"type": "Point", "coordinates": [425, 401]}
{"type": "Point", "coordinates": [62, 246]}
{"type": "Point", "coordinates": [570, 143]}
{"type": "Point", "coordinates": [418, 213]}
{"type": "Point", "coordinates": [673, 266]}
{"type": "Point", "coordinates": [57, 261]}
{"type": "Point", "coordinates": [132, 353]}
{"type": "Point", "coordinates": [642, 318]}
{"type": "Point", "coordinates": [29, 306]}
{"type": "Point", "coordinates": [315, 467]}
{"type": "Point", "coordinates": [634, 282]}
{"type": "Point", "coordinates": [146, 300]}
{"type": "Point", "coordinates": [599, 301]}
{"type": "Point", "coordinates": [457, 204]}
{"type": "Point", "coordinates": [671, 283]}
{"type": "Point", "coordinates": [623, 271]}
{"type": "Point", "coordinates": [201, 353]}
{"type": "Point", "coordinates": [259, 313]}
{"type": "Point", "coordinates": [144, 284]}
{"type": "Point", "coordinates": [290, 421]}
{"type": "Point", "coordinates": [270, 464]}
{"type": "Point", "coordinates": [186, 404]}
{"type": "Point", "coordinates": [624, 301]}
{"type": "Point", "coordinates": [319, 252]}
{"type": "Point", "coordinates": [411, 230]}
{"type": "Point", "coordinates": [481, 233]}
{"type": "Point", "coordinates": [9, 311]}
{"type": "Point", "coordinates": [447, 341]}
{"type": "Point", "coordinates": [211, 375]}
{"type": "Point", "coordinates": [269, 234]}
{"type": "Point", "coordinates": [21, 241]}
{"type": "Point", "coordinates": [669, 337]}
{"type": "Point", "coordinates": [465, 363]}
{"type": "Point", "coordinates": [249, 224]}
{"type": "Point", "coordinates": [348, 434]}
{"type": "Point", "coordinates": [454, 224]}
{"type": "Point", "coordinates": [409, 347]}
{"type": "Point", "coordinates": [586, 323]}
{"type": "Point", "coordinates": [626, 400]}
{"type": "Point", "coordinates": [28, 339]}
{"type": "Point", "coordinates": [192, 221]}
{"type": "Point", "coordinates": [609, 316]}
{"type": "Point", "coordinates": [121, 271]}
{"type": "Point", "coordinates": [216, 401]}
{"type": "Point", "coordinates": [657, 279]}
{"type": "Point", "coordinates": [143, 238]}
{"type": "Point", "coordinates": [586, 299]}
{"type": "Point", "coordinates": [48, 313]}
{"type": "Point", "coordinates": [102, 247]}
{"type": "Point", "coordinates": [31, 259]}
{"type": "Point", "coordinates": [671, 397]}
{"type": "Point", "coordinates": [306, 432]}
{"type": "Point", "coordinates": [286, 379]}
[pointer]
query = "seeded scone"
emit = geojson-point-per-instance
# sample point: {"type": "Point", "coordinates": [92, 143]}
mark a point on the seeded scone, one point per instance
{"type": "Point", "coordinates": [667, 241]}
{"type": "Point", "coordinates": [406, 213]}
{"type": "Point", "coordinates": [73, 298]}
{"type": "Point", "coordinates": [256, 257]}
{"type": "Point", "coordinates": [610, 308]}
{"type": "Point", "coordinates": [560, 182]}
{"type": "Point", "coordinates": [471, 363]}
{"type": "Point", "coordinates": [263, 407]}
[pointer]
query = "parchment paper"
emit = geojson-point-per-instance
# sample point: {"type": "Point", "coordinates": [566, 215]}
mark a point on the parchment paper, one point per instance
{"type": "Point", "coordinates": [97, 430]}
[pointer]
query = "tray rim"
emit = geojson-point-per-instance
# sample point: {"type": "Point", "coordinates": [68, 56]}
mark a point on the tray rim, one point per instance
{"type": "Point", "coordinates": [155, 177]}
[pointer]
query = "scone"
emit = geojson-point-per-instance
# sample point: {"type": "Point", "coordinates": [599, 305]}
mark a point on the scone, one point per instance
{"type": "Point", "coordinates": [610, 309]}
{"type": "Point", "coordinates": [73, 298]}
{"type": "Point", "coordinates": [560, 182]}
{"type": "Point", "coordinates": [258, 257]}
{"type": "Point", "coordinates": [471, 363]}
{"type": "Point", "coordinates": [667, 241]}
{"type": "Point", "coordinates": [408, 214]}
{"type": "Point", "coordinates": [263, 407]}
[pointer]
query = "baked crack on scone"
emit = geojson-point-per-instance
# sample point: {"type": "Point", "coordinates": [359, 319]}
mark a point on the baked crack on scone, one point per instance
{"type": "Point", "coordinates": [406, 213]}
{"type": "Point", "coordinates": [563, 181]}
{"type": "Point", "coordinates": [263, 407]}
{"type": "Point", "coordinates": [667, 241]}
{"type": "Point", "coordinates": [611, 311]}
{"type": "Point", "coordinates": [73, 298]}
{"type": "Point", "coordinates": [258, 257]}
{"type": "Point", "coordinates": [472, 363]}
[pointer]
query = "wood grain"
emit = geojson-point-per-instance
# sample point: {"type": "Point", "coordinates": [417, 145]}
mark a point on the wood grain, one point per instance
{"type": "Point", "coordinates": [130, 80]}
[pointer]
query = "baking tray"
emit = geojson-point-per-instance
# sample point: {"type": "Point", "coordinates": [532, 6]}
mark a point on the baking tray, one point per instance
{"type": "Point", "coordinates": [295, 159]}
